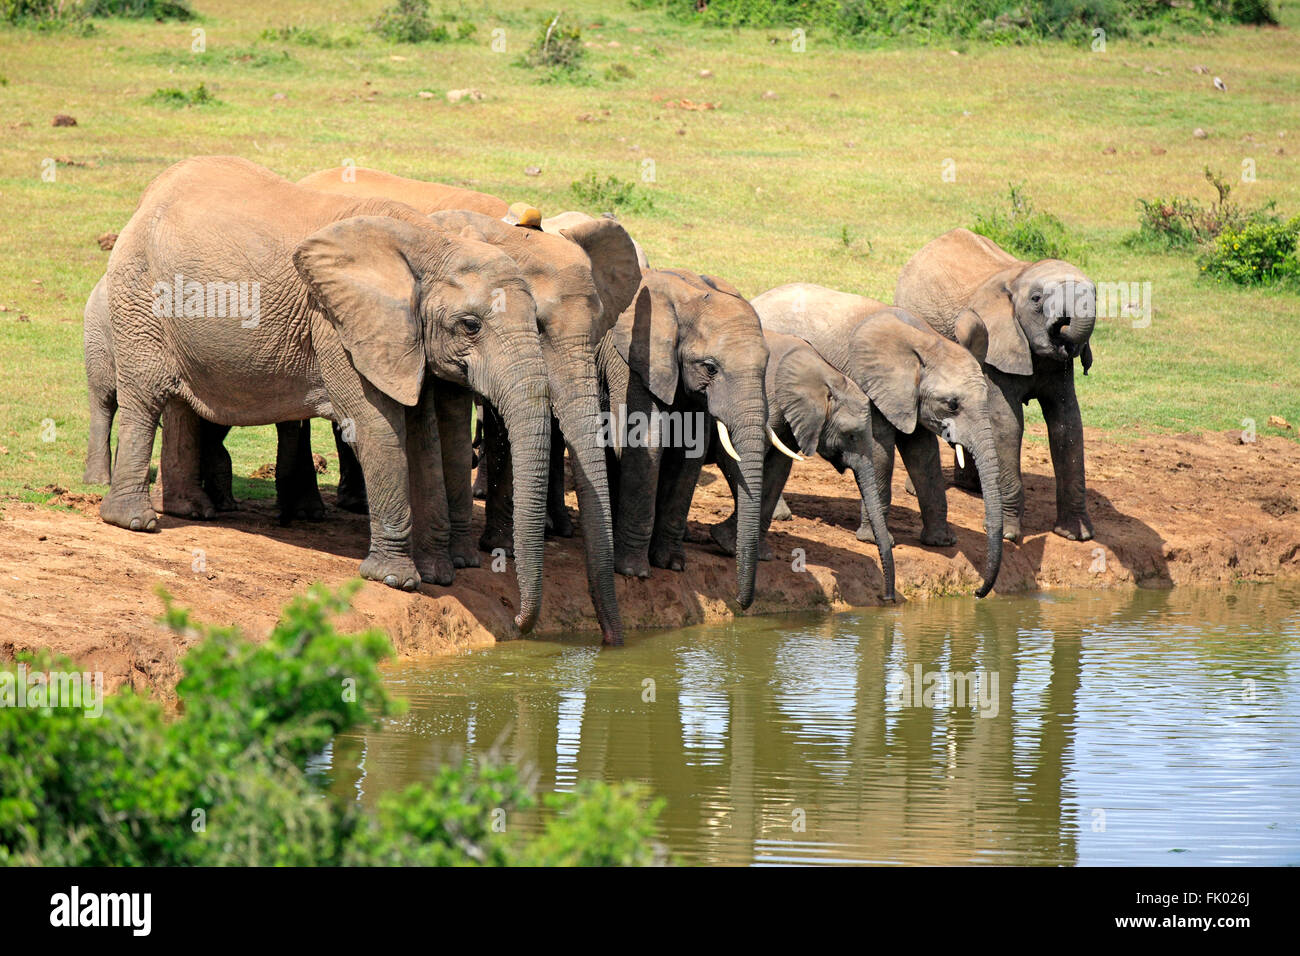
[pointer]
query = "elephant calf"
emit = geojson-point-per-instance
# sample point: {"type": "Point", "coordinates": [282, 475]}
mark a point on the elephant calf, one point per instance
{"type": "Point", "coordinates": [687, 356]}
{"type": "Point", "coordinates": [1039, 317]}
{"type": "Point", "coordinates": [913, 376]}
{"type": "Point", "coordinates": [820, 411]}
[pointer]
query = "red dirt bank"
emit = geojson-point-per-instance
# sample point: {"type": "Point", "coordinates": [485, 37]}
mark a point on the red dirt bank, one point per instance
{"type": "Point", "coordinates": [1167, 510]}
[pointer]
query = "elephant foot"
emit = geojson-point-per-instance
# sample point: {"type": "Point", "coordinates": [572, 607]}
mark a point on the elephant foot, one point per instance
{"type": "Point", "coordinates": [866, 534]}
{"type": "Point", "coordinates": [909, 487]}
{"type": "Point", "coordinates": [1074, 527]}
{"type": "Point", "coordinates": [493, 539]}
{"type": "Point", "coordinates": [941, 537]}
{"type": "Point", "coordinates": [97, 474]}
{"type": "Point", "coordinates": [223, 501]}
{"type": "Point", "coordinates": [186, 503]}
{"type": "Point", "coordinates": [396, 572]}
{"type": "Point", "coordinates": [632, 565]}
{"type": "Point", "coordinates": [129, 511]}
{"type": "Point", "coordinates": [436, 569]}
{"type": "Point", "coordinates": [1011, 529]}
{"type": "Point", "coordinates": [462, 552]}
{"type": "Point", "coordinates": [673, 559]}
{"type": "Point", "coordinates": [480, 484]}
{"type": "Point", "coordinates": [764, 552]}
{"type": "Point", "coordinates": [782, 512]}
{"type": "Point", "coordinates": [559, 524]}
{"type": "Point", "coordinates": [724, 536]}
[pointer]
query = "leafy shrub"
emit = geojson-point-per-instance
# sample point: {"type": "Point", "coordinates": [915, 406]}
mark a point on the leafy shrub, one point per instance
{"type": "Point", "coordinates": [558, 50]}
{"type": "Point", "coordinates": [1257, 253]}
{"type": "Point", "coordinates": [309, 36]}
{"type": "Point", "coordinates": [63, 12]}
{"type": "Point", "coordinates": [992, 19]}
{"type": "Point", "coordinates": [227, 782]}
{"type": "Point", "coordinates": [1024, 231]}
{"type": "Point", "coordinates": [408, 21]}
{"type": "Point", "coordinates": [611, 194]}
{"type": "Point", "coordinates": [171, 96]}
{"type": "Point", "coordinates": [1181, 222]}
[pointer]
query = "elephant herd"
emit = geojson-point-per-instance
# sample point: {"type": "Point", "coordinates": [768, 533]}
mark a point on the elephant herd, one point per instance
{"type": "Point", "coordinates": [390, 306]}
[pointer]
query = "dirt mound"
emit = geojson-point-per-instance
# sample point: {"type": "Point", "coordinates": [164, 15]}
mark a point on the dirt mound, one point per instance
{"type": "Point", "coordinates": [1167, 510]}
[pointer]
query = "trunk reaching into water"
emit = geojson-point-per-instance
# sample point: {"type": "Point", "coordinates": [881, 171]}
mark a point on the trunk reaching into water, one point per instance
{"type": "Point", "coordinates": [578, 410]}
{"type": "Point", "coordinates": [865, 473]}
{"type": "Point", "coordinates": [518, 389]}
{"type": "Point", "coordinates": [751, 443]}
{"type": "Point", "coordinates": [986, 461]}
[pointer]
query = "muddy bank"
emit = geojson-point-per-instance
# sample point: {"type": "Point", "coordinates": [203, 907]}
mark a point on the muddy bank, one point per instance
{"type": "Point", "coordinates": [1167, 510]}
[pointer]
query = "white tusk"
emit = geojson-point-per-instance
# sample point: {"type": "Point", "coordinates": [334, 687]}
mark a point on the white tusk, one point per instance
{"type": "Point", "coordinates": [961, 456]}
{"type": "Point", "coordinates": [726, 440]}
{"type": "Point", "coordinates": [780, 446]}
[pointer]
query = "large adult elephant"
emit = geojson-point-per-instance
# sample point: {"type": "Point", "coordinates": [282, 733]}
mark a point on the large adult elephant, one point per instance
{"type": "Point", "coordinates": [914, 377]}
{"type": "Point", "coordinates": [1039, 318]}
{"type": "Point", "coordinates": [582, 276]}
{"type": "Point", "coordinates": [687, 356]}
{"type": "Point", "coordinates": [363, 308]}
{"type": "Point", "coordinates": [818, 410]}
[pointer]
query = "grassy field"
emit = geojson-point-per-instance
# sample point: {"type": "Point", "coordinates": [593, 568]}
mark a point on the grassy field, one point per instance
{"type": "Point", "coordinates": [824, 166]}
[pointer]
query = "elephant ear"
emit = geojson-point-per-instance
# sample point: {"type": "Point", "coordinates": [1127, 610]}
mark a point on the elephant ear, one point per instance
{"type": "Point", "coordinates": [972, 335]}
{"type": "Point", "coordinates": [887, 366]}
{"type": "Point", "coordinates": [645, 335]}
{"type": "Point", "coordinates": [1008, 349]}
{"type": "Point", "coordinates": [614, 264]}
{"type": "Point", "coordinates": [805, 400]}
{"type": "Point", "coordinates": [360, 272]}
{"type": "Point", "coordinates": [722, 285]}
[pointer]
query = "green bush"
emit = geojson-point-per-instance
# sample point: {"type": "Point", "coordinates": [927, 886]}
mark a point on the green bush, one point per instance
{"type": "Point", "coordinates": [227, 782]}
{"type": "Point", "coordinates": [408, 21]}
{"type": "Point", "coordinates": [309, 36]}
{"type": "Point", "coordinates": [558, 50]}
{"type": "Point", "coordinates": [63, 11]}
{"type": "Point", "coordinates": [611, 194]}
{"type": "Point", "coordinates": [992, 19]}
{"type": "Point", "coordinates": [1181, 222]}
{"type": "Point", "coordinates": [171, 96]}
{"type": "Point", "coordinates": [1025, 232]}
{"type": "Point", "coordinates": [1257, 253]}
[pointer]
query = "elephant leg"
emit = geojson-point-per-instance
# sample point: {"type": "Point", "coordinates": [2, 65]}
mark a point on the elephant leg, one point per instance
{"type": "Point", "coordinates": [351, 495]}
{"type": "Point", "coordinates": [179, 491]}
{"type": "Point", "coordinates": [99, 449]}
{"type": "Point", "coordinates": [499, 528]}
{"type": "Point", "coordinates": [308, 504]}
{"type": "Point", "coordinates": [678, 476]}
{"type": "Point", "coordinates": [638, 487]}
{"type": "Point", "coordinates": [452, 406]}
{"type": "Point", "coordinates": [558, 520]}
{"type": "Point", "coordinates": [1007, 417]}
{"type": "Point", "coordinates": [920, 453]}
{"type": "Point", "coordinates": [1065, 438]}
{"type": "Point", "coordinates": [724, 532]}
{"type": "Point", "coordinates": [883, 437]}
{"type": "Point", "coordinates": [782, 512]}
{"type": "Point", "coordinates": [967, 476]}
{"type": "Point", "coordinates": [776, 472]}
{"type": "Point", "coordinates": [127, 503]}
{"type": "Point", "coordinates": [216, 473]}
{"type": "Point", "coordinates": [430, 495]}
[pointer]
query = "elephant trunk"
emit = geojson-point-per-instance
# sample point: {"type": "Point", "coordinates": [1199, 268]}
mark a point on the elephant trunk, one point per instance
{"type": "Point", "coordinates": [1081, 316]}
{"type": "Point", "coordinates": [986, 462]}
{"type": "Point", "coordinates": [516, 384]}
{"type": "Point", "coordinates": [577, 406]}
{"type": "Point", "coordinates": [748, 436]}
{"type": "Point", "coordinates": [865, 473]}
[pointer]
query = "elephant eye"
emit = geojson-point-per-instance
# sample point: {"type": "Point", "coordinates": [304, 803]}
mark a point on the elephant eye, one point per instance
{"type": "Point", "coordinates": [952, 404]}
{"type": "Point", "coordinates": [472, 323]}
{"type": "Point", "coordinates": [710, 368]}
{"type": "Point", "coordinates": [1036, 298]}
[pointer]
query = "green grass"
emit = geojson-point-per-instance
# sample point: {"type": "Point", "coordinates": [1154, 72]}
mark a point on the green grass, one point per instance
{"type": "Point", "coordinates": [835, 179]}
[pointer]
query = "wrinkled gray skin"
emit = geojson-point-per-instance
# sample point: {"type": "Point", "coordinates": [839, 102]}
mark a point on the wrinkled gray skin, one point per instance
{"type": "Point", "coordinates": [1039, 317]}
{"type": "Point", "coordinates": [365, 306]}
{"type": "Point", "coordinates": [815, 409]}
{"type": "Point", "coordinates": [688, 344]}
{"type": "Point", "coordinates": [101, 383]}
{"type": "Point", "coordinates": [913, 376]}
{"type": "Point", "coordinates": [296, 490]}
